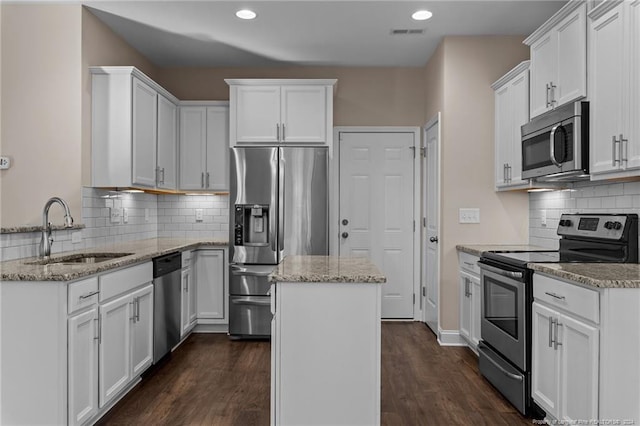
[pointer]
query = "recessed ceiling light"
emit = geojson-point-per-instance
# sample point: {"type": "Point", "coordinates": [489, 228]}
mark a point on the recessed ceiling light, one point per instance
{"type": "Point", "coordinates": [421, 15]}
{"type": "Point", "coordinates": [246, 14]}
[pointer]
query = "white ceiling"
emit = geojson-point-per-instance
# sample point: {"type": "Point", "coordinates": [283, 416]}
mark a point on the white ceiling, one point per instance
{"type": "Point", "coordinates": [307, 32]}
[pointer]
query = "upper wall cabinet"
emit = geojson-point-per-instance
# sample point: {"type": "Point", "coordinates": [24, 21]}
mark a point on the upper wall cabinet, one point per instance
{"type": "Point", "coordinates": [559, 59]}
{"type": "Point", "coordinates": [204, 149]}
{"type": "Point", "coordinates": [269, 111]}
{"type": "Point", "coordinates": [614, 88]}
{"type": "Point", "coordinates": [134, 130]}
{"type": "Point", "coordinates": [511, 112]}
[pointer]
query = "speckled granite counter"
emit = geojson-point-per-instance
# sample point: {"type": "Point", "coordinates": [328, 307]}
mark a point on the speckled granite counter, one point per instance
{"type": "Point", "coordinates": [21, 270]}
{"type": "Point", "coordinates": [477, 249]}
{"type": "Point", "coordinates": [600, 275]}
{"type": "Point", "coordinates": [325, 269]}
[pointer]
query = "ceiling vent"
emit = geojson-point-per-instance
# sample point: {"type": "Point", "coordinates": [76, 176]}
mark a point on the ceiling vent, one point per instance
{"type": "Point", "coordinates": [407, 32]}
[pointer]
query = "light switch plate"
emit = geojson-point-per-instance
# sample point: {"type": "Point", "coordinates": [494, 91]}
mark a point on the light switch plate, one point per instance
{"type": "Point", "coordinates": [115, 215]}
{"type": "Point", "coordinates": [125, 215]}
{"type": "Point", "coordinates": [199, 215]}
{"type": "Point", "coordinates": [5, 163]}
{"type": "Point", "coordinates": [543, 217]}
{"type": "Point", "coordinates": [469, 215]}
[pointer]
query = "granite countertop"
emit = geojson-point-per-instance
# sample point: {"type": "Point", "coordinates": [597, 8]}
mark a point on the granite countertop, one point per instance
{"type": "Point", "coordinates": [316, 269]}
{"type": "Point", "coordinates": [599, 275]}
{"type": "Point", "coordinates": [142, 250]}
{"type": "Point", "coordinates": [477, 249]}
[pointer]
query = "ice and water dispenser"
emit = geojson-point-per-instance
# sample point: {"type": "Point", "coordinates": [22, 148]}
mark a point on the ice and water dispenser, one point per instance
{"type": "Point", "coordinates": [251, 225]}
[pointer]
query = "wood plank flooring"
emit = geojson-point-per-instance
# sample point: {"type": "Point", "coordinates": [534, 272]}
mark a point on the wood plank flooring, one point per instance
{"type": "Point", "coordinates": [211, 380]}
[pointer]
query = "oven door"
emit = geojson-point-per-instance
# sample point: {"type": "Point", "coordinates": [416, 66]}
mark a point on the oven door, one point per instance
{"type": "Point", "coordinates": [504, 313]}
{"type": "Point", "coordinates": [554, 149]}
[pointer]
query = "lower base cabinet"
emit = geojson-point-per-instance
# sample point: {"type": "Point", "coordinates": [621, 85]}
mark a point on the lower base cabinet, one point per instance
{"type": "Point", "coordinates": [470, 299]}
{"type": "Point", "coordinates": [212, 286]}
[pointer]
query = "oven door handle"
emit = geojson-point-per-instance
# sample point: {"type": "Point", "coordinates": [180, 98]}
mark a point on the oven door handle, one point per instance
{"type": "Point", "coordinates": [502, 272]}
{"type": "Point", "coordinates": [505, 372]}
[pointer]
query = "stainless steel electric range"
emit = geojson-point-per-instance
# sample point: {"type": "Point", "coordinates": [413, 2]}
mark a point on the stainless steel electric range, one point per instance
{"type": "Point", "coordinates": [507, 295]}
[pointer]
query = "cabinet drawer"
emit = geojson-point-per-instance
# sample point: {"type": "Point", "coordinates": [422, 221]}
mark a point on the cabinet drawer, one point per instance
{"type": "Point", "coordinates": [82, 294]}
{"type": "Point", "coordinates": [469, 262]}
{"type": "Point", "coordinates": [576, 300]}
{"type": "Point", "coordinates": [121, 281]}
{"type": "Point", "coordinates": [186, 259]}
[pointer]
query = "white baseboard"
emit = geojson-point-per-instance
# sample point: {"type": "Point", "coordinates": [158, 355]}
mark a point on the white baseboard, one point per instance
{"type": "Point", "coordinates": [450, 338]}
{"type": "Point", "coordinates": [211, 328]}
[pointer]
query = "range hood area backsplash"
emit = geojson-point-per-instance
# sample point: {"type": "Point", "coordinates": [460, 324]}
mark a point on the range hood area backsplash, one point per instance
{"type": "Point", "coordinates": [582, 197]}
{"type": "Point", "coordinates": [166, 216]}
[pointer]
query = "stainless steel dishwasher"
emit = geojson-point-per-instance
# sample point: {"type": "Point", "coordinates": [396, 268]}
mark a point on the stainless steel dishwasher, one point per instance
{"type": "Point", "coordinates": [166, 304]}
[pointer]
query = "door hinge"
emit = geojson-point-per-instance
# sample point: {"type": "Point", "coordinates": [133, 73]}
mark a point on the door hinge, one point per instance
{"type": "Point", "coordinates": [414, 298]}
{"type": "Point", "coordinates": [424, 222]}
{"type": "Point", "coordinates": [423, 151]}
{"type": "Point", "coordinates": [424, 291]}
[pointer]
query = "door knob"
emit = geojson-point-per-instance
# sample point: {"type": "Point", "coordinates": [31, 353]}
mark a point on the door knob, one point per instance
{"type": "Point", "coordinates": [433, 239]}
{"type": "Point", "coordinates": [345, 222]}
{"type": "Point", "coordinates": [345, 235]}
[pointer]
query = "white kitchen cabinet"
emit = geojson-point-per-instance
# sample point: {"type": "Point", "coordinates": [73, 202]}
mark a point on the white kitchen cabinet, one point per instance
{"type": "Point", "coordinates": [614, 90]}
{"type": "Point", "coordinates": [188, 295]}
{"type": "Point", "coordinates": [131, 128]}
{"type": "Point", "coordinates": [565, 350]}
{"type": "Point", "coordinates": [204, 150]}
{"type": "Point", "coordinates": [83, 366]}
{"type": "Point", "coordinates": [281, 111]}
{"type": "Point", "coordinates": [212, 286]}
{"type": "Point", "coordinates": [559, 59]}
{"type": "Point", "coordinates": [167, 155]}
{"type": "Point", "coordinates": [142, 330]}
{"type": "Point", "coordinates": [511, 112]}
{"type": "Point", "coordinates": [470, 299]}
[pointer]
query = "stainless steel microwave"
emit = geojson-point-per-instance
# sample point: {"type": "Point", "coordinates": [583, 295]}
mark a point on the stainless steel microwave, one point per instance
{"type": "Point", "coordinates": [555, 145]}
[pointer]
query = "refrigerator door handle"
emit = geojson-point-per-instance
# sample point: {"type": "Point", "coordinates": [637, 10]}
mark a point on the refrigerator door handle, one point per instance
{"type": "Point", "coordinates": [281, 201]}
{"type": "Point", "coordinates": [273, 216]}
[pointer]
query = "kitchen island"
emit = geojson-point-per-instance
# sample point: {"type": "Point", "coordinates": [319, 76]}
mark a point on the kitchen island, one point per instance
{"type": "Point", "coordinates": [325, 347]}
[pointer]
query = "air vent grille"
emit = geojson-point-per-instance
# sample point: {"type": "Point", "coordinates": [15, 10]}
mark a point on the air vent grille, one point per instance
{"type": "Point", "coordinates": [406, 31]}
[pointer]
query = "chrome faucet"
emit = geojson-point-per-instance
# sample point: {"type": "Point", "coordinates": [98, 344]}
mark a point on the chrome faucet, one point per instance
{"type": "Point", "coordinates": [47, 239]}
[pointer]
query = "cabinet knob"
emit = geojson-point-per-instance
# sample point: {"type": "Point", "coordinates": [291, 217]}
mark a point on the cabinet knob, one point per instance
{"type": "Point", "coordinates": [345, 235]}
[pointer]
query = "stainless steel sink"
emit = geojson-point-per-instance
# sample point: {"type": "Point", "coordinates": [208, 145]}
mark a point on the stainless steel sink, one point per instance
{"type": "Point", "coordinates": [77, 259]}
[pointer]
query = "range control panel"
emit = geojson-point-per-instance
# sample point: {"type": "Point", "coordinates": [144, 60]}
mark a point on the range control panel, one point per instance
{"type": "Point", "coordinates": [601, 226]}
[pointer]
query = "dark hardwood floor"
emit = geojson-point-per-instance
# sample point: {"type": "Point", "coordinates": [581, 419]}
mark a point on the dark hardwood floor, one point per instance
{"type": "Point", "coordinates": [211, 380]}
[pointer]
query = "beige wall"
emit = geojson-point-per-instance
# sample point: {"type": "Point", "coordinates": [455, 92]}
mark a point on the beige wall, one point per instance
{"type": "Point", "coordinates": [364, 97]}
{"type": "Point", "coordinates": [41, 110]}
{"type": "Point", "coordinates": [470, 66]}
{"type": "Point", "coordinates": [101, 46]}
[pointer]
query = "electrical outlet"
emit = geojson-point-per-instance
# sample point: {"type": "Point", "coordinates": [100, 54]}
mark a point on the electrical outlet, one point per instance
{"type": "Point", "coordinates": [115, 215]}
{"type": "Point", "coordinates": [5, 163]}
{"type": "Point", "coordinates": [469, 215]}
{"type": "Point", "coordinates": [76, 237]}
{"type": "Point", "coordinates": [125, 215]}
{"type": "Point", "coordinates": [543, 217]}
{"type": "Point", "coordinates": [199, 215]}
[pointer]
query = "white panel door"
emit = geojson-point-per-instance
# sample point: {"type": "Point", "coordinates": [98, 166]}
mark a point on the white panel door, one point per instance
{"type": "Point", "coordinates": [83, 366]}
{"type": "Point", "coordinates": [115, 347]}
{"type": "Point", "coordinates": [210, 287]}
{"type": "Point", "coordinates": [142, 331]}
{"type": "Point", "coordinates": [465, 305]}
{"type": "Point", "coordinates": [519, 101]}
{"type": "Point", "coordinates": [632, 128]}
{"type": "Point", "coordinates": [431, 248]}
{"type": "Point", "coordinates": [545, 362]}
{"type": "Point", "coordinates": [257, 110]}
{"type": "Point", "coordinates": [304, 114]}
{"type": "Point", "coordinates": [504, 133]}
{"type": "Point", "coordinates": [217, 148]}
{"type": "Point", "coordinates": [144, 134]}
{"type": "Point", "coordinates": [185, 301]}
{"type": "Point", "coordinates": [571, 80]}
{"type": "Point", "coordinates": [167, 143]}
{"type": "Point", "coordinates": [543, 72]}
{"type": "Point", "coordinates": [376, 203]}
{"type": "Point", "coordinates": [606, 90]}
{"type": "Point", "coordinates": [193, 147]}
{"type": "Point", "coordinates": [476, 310]}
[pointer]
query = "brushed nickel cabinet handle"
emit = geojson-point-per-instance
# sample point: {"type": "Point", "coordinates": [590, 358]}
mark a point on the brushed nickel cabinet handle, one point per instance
{"type": "Point", "coordinates": [208, 181]}
{"type": "Point", "coordinates": [554, 295]}
{"type": "Point", "coordinates": [547, 98]}
{"type": "Point", "coordinates": [551, 322]}
{"type": "Point", "coordinates": [556, 343]}
{"type": "Point", "coordinates": [88, 295]}
{"type": "Point", "coordinates": [624, 148]}
{"type": "Point", "coordinates": [202, 179]}
{"type": "Point", "coordinates": [278, 132]}
{"type": "Point", "coordinates": [283, 133]}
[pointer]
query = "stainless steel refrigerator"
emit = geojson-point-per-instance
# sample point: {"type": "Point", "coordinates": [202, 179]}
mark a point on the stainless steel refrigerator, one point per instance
{"type": "Point", "coordinates": [278, 206]}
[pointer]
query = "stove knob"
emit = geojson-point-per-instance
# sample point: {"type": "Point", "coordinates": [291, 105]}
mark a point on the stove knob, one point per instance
{"type": "Point", "coordinates": [565, 222]}
{"type": "Point", "coordinates": [608, 225]}
{"type": "Point", "coordinates": [617, 225]}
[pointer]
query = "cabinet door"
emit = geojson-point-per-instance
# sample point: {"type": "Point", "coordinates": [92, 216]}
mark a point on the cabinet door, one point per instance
{"type": "Point", "coordinates": [543, 72]}
{"type": "Point", "coordinates": [144, 134]}
{"type": "Point", "coordinates": [606, 90]}
{"type": "Point", "coordinates": [167, 143]}
{"type": "Point", "coordinates": [304, 114]}
{"type": "Point", "coordinates": [476, 310]}
{"type": "Point", "coordinates": [193, 297]}
{"type": "Point", "coordinates": [115, 347]}
{"type": "Point", "coordinates": [503, 130]}
{"type": "Point", "coordinates": [83, 366]}
{"type": "Point", "coordinates": [186, 302]}
{"type": "Point", "coordinates": [257, 111]}
{"type": "Point", "coordinates": [193, 147]}
{"type": "Point", "coordinates": [545, 365]}
{"type": "Point", "coordinates": [142, 331]}
{"type": "Point", "coordinates": [579, 370]}
{"type": "Point", "coordinates": [465, 305]}
{"type": "Point", "coordinates": [571, 81]}
{"type": "Point", "coordinates": [210, 284]}
{"type": "Point", "coordinates": [632, 128]}
{"type": "Point", "coordinates": [218, 148]}
{"type": "Point", "coordinates": [519, 101]}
